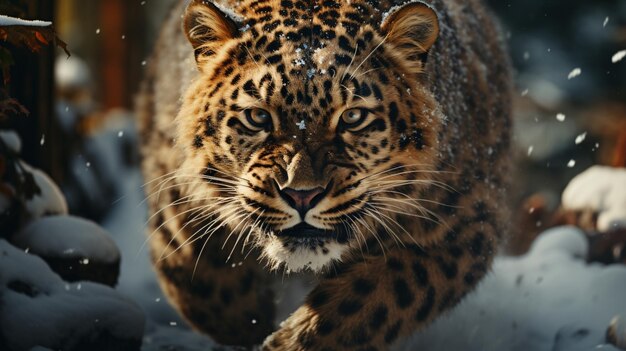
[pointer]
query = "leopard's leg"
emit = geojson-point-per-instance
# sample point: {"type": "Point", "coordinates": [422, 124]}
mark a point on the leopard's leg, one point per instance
{"type": "Point", "coordinates": [371, 302]}
{"type": "Point", "coordinates": [229, 299]}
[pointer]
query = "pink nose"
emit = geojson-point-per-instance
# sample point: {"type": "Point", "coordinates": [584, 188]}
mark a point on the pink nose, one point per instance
{"type": "Point", "coordinates": [302, 200]}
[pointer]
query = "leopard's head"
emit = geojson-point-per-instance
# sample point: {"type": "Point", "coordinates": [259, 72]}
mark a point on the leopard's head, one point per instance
{"type": "Point", "coordinates": [309, 128]}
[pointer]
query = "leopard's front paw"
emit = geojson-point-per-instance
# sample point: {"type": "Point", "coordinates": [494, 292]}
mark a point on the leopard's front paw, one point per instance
{"type": "Point", "coordinates": [296, 333]}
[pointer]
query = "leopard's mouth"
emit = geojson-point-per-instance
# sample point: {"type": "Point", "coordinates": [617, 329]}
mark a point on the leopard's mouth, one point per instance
{"type": "Point", "coordinates": [305, 233]}
{"type": "Point", "coordinates": [305, 230]}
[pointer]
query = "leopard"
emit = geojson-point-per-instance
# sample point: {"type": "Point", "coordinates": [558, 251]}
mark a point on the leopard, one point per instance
{"type": "Point", "coordinates": [364, 144]}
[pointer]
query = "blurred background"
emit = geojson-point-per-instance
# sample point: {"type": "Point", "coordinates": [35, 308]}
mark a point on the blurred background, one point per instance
{"type": "Point", "coordinates": [570, 104]}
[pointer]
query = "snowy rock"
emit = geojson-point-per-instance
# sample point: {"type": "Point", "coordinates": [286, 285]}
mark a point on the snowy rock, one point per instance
{"type": "Point", "coordinates": [50, 202]}
{"type": "Point", "coordinates": [40, 309]}
{"type": "Point", "coordinates": [603, 190]}
{"type": "Point", "coordinates": [12, 140]}
{"type": "Point", "coordinates": [13, 21]}
{"type": "Point", "coordinates": [71, 73]}
{"type": "Point", "coordinates": [548, 300]}
{"type": "Point", "coordinates": [564, 239]}
{"type": "Point", "coordinates": [75, 248]}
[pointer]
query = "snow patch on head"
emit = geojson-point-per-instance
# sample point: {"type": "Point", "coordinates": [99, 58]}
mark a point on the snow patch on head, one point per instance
{"type": "Point", "coordinates": [302, 259]}
{"type": "Point", "coordinates": [230, 13]}
{"type": "Point", "coordinates": [395, 8]}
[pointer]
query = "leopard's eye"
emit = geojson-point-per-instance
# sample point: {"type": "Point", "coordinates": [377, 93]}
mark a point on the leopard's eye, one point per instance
{"type": "Point", "coordinates": [258, 118]}
{"type": "Point", "coordinates": [352, 118]}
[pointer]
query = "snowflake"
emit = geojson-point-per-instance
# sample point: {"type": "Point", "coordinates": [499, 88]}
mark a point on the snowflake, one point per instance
{"type": "Point", "coordinates": [618, 56]}
{"type": "Point", "coordinates": [574, 73]}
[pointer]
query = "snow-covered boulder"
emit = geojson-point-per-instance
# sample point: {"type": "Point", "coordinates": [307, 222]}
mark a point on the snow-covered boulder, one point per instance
{"type": "Point", "coordinates": [602, 190]}
{"type": "Point", "coordinates": [547, 300]}
{"type": "Point", "coordinates": [11, 140]}
{"type": "Point", "coordinates": [75, 248]}
{"type": "Point", "coordinates": [50, 201]}
{"type": "Point", "coordinates": [38, 309]}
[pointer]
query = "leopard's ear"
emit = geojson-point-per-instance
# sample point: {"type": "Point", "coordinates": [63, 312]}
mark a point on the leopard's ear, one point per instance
{"type": "Point", "coordinates": [207, 28]}
{"type": "Point", "coordinates": [411, 30]}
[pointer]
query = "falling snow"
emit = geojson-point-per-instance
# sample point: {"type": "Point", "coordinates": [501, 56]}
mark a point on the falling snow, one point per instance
{"type": "Point", "coordinates": [571, 163]}
{"type": "Point", "coordinates": [574, 73]}
{"type": "Point", "coordinates": [618, 56]}
{"type": "Point", "coordinates": [581, 138]}
{"type": "Point", "coordinates": [560, 117]}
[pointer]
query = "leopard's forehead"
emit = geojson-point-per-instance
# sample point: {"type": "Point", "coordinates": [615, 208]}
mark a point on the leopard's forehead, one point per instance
{"type": "Point", "coordinates": [309, 35]}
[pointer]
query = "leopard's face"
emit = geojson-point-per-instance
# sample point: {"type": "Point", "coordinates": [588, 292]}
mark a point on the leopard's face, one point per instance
{"type": "Point", "coordinates": [309, 140]}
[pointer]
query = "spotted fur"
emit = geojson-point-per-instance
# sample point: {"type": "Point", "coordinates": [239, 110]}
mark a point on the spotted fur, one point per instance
{"type": "Point", "coordinates": [409, 200]}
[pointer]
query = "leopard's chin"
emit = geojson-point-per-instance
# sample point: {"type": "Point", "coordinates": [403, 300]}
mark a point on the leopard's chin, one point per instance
{"type": "Point", "coordinates": [296, 254]}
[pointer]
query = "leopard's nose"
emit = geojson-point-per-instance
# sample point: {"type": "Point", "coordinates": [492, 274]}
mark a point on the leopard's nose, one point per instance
{"type": "Point", "coordinates": [303, 200]}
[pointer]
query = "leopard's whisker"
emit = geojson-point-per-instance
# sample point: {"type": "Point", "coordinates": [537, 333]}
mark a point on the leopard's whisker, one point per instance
{"type": "Point", "coordinates": [198, 215]}
{"type": "Point", "coordinates": [376, 215]}
{"type": "Point", "coordinates": [411, 201]}
{"type": "Point", "coordinates": [194, 209]}
{"type": "Point", "coordinates": [195, 267]}
{"type": "Point", "coordinates": [238, 235]}
{"type": "Point", "coordinates": [368, 56]}
{"type": "Point", "coordinates": [208, 226]}
{"type": "Point", "coordinates": [374, 234]}
{"type": "Point", "coordinates": [345, 72]}
{"type": "Point", "coordinates": [250, 231]}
